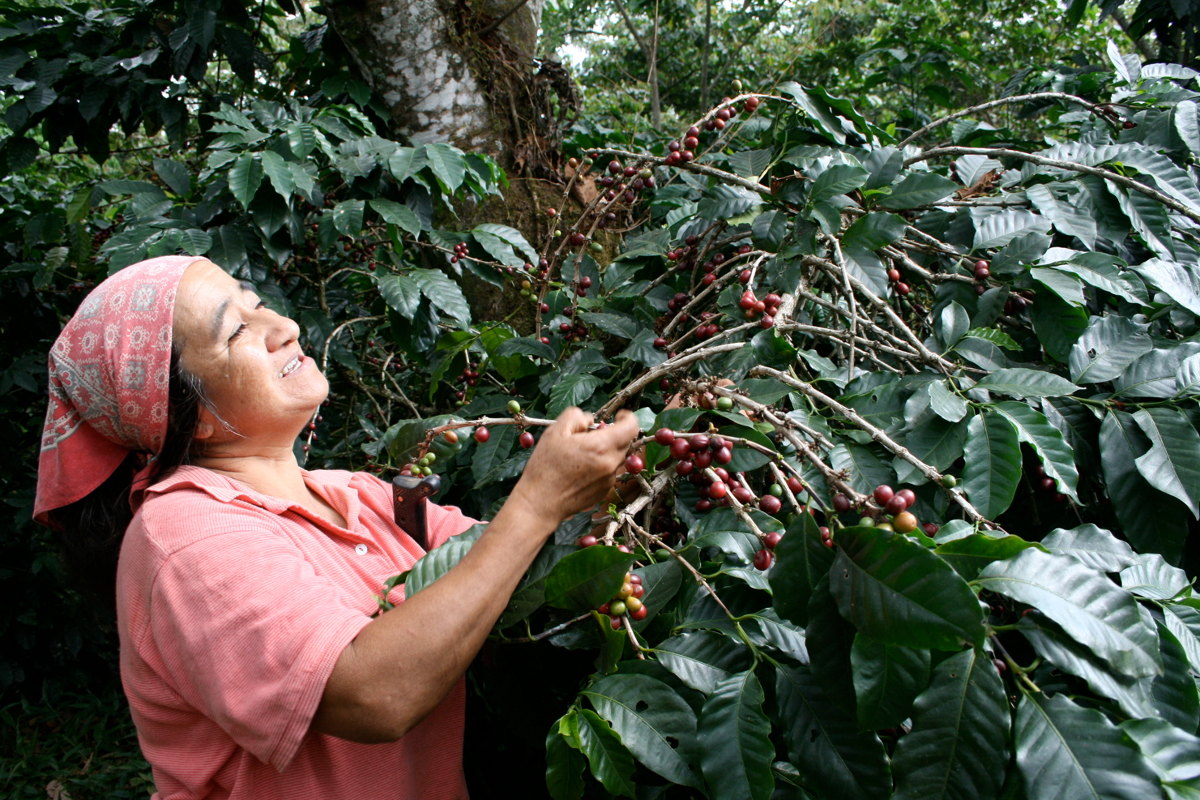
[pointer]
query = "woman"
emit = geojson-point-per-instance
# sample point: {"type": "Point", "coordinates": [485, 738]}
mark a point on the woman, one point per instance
{"type": "Point", "coordinates": [245, 585]}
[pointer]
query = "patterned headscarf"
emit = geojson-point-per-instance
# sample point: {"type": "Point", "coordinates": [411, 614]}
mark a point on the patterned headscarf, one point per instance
{"type": "Point", "coordinates": [109, 379]}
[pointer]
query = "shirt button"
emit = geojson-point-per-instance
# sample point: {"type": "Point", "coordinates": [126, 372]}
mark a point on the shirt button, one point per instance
{"type": "Point", "coordinates": [361, 549]}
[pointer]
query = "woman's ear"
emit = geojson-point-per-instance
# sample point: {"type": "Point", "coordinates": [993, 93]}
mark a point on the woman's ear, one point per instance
{"type": "Point", "coordinates": [206, 425]}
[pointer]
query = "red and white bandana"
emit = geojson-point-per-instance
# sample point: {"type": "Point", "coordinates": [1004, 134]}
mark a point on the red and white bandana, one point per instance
{"type": "Point", "coordinates": [109, 379]}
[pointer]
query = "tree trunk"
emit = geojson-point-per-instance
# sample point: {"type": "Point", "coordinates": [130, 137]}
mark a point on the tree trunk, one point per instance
{"type": "Point", "coordinates": [466, 73]}
{"type": "Point", "coordinates": [462, 73]}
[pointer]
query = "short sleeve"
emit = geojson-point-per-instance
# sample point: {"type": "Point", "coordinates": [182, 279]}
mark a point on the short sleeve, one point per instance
{"type": "Point", "coordinates": [247, 630]}
{"type": "Point", "coordinates": [444, 522]}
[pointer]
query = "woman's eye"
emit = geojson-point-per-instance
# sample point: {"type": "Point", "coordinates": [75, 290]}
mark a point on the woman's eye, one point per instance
{"type": "Point", "coordinates": [238, 332]}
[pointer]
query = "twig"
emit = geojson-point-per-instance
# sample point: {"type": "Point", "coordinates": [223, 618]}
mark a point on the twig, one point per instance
{"type": "Point", "coordinates": [878, 434]}
{"type": "Point", "coordinates": [917, 134]}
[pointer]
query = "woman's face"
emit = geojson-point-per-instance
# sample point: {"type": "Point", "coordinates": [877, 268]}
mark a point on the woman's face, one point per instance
{"type": "Point", "coordinates": [246, 357]}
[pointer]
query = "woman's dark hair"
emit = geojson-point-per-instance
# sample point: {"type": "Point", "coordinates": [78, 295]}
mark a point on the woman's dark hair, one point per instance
{"type": "Point", "coordinates": [91, 529]}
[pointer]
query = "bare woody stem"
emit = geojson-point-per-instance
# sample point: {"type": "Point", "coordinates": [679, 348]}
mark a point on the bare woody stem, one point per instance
{"type": "Point", "coordinates": [1108, 175]}
{"type": "Point", "coordinates": [1021, 98]}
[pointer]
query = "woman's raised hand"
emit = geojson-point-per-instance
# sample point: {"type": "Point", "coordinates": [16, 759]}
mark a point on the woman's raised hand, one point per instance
{"type": "Point", "coordinates": [574, 465]}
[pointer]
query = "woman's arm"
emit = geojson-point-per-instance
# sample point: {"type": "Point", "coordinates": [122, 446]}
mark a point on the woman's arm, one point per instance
{"type": "Point", "coordinates": [404, 662]}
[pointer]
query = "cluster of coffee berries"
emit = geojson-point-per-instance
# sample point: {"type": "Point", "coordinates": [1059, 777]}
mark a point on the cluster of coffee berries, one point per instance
{"type": "Point", "coordinates": [897, 504]}
{"type": "Point", "coordinates": [679, 152]}
{"type": "Point", "coordinates": [422, 466]}
{"type": "Point", "coordinates": [678, 302]}
{"type": "Point", "coordinates": [624, 182]}
{"type": "Point", "coordinates": [898, 286]}
{"type": "Point", "coordinates": [1017, 302]}
{"type": "Point", "coordinates": [768, 307]}
{"type": "Point", "coordinates": [460, 252]}
{"type": "Point", "coordinates": [576, 332]}
{"type": "Point", "coordinates": [981, 269]}
{"type": "Point", "coordinates": [707, 327]}
{"type": "Point", "coordinates": [695, 453]}
{"type": "Point", "coordinates": [628, 600]}
{"type": "Point", "coordinates": [765, 556]}
{"type": "Point", "coordinates": [469, 377]}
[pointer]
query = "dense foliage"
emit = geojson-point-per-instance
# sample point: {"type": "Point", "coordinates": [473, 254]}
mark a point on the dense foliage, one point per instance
{"type": "Point", "coordinates": [1001, 322]}
{"type": "Point", "coordinates": [1029, 373]}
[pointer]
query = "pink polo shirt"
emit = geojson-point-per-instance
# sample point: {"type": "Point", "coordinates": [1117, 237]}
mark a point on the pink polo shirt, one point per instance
{"type": "Point", "coordinates": [233, 608]}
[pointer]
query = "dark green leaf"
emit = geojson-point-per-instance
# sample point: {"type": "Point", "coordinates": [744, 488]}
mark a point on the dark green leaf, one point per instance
{"type": "Point", "coordinates": [572, 390]}
{"type": "Point", "coordinates": [1057, 325]}
{"type": "Point", "coordinates": [834, 758]}
{"type": "Point", "coordinates": [564, 763]}
{"type": "Point", "coordinates": [244, 177]}
{"type": "Point", "coordinates": [1020, 382]}
{"type": "Point", "coordinates": [400, 292]}
{"type": "Point", "coordinates": [958, 745]}
{"type": "Point", "coordinates": [737, 753]}
{"type": "Point", "coordinates": [1064, 751]}
{"type": "Point", "coordinates": [919, 189]}
{"type": "Point", "coordinates": [348, 217]}
{"type": "Point", "coordinates": [610, 762]}
{"type": "Point", "coordinates": [970, 554]}
{"type": "Point", "coordinates": [492, 454]}
{"type": "Point", "coordinates": [587, 578]}
{"type": "Point", "coordinates": [1172, 754]}
{"type": "Point", "coordinates": [1034, 429]}
{"type": "Point", "coordinates": [993, 463]}
{"type": "Point", "coordinates": [447, 163]}
{"type": "Point", "coordinates": [874, 231]}
{"type": "Point", "coordinates": [801, 561]}
{"type": "Point", "coordinates": [702, 659]}
{"type": "Point", "coordinates": [726, 202]}
{"type": "Point", "coordinates": [440, 560]}
{"type": "Point", "coordinates": [444, 294]}
{"type": "Point", "coordinates": [1091, 545]}
{"type": "Point", "coordinates": [999, 228]}
{"type": "Point", "coordinates": [1108, 346]}
{"type": "Point", "coordinates": [1149, 519]}
{"type": "Point", "coordinates": [1050, 642]}
{"type": "Point", "coordinates": [837, 179]}
{"type": "Point", "coordinates": [1176, 697]}
{"type": "Point", "coordinates": [887, 678]}
{"type": "Point", "coordinates": [898, 592]}
{"type": "Point", "coordinates": [397, 214]}
{"type": "Point", "coordinates": [1095, 611]}
{"type": "Point", "coordinates": [654, 722]}
{"type": "Point", "coordinates": [1172, 464]}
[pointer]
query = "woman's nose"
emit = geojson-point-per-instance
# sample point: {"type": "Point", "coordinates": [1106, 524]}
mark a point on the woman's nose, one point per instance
{"type": "Point", "coordinates": [281, 330]}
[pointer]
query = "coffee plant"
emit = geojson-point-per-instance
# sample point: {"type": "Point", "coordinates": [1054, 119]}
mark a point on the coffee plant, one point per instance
{"type": "Point", "coordinates": [911, 513]}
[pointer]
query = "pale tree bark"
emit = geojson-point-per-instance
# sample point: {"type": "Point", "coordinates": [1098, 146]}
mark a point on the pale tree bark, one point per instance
{"type": "Point", "coordinates": [460, 72]}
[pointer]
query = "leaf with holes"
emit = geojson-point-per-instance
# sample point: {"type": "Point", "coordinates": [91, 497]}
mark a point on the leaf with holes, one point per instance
{"type": "Point", "coordinates": [653, 721]}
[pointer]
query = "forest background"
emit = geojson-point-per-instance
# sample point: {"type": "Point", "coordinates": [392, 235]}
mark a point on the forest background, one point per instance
{"type": "Point", "coordinates": [950, 247]}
